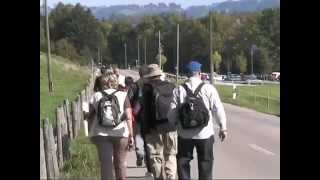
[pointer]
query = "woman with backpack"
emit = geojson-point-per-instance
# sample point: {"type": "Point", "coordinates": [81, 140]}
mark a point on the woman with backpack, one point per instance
{"type": "Point", "coordinates": [111, 129]}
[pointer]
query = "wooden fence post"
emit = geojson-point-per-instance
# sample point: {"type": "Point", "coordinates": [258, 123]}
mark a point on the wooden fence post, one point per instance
{"type": "Point", "coordinates": [59, 137]}
{"type": "Point", "coordinates": [74, 118]}
{"type": "Point", "coordinates": [79, 113]}
{"type": "Point", "coordinates": [68, 118]}
{"type": "Point", "coordinates": [50, 151]}
{"type": "Point", "coordinates": [43, 166]}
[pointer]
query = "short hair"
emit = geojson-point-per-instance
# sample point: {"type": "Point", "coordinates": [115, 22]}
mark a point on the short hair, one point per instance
{"type": "Point", "coordinates": [193, 73]}
{"type": "Point", "coordinates": [109, 81]}
{"type": "Point", "coordinates": [129, 81]}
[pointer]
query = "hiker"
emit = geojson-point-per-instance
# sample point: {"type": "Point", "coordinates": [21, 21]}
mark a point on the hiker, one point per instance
{"type": "Point", "coordinates": [97, 85]}
{"type": "Point", "coordinates": [128, 82]}
{"type": "Point", "coordinates": [121, 78]}
{"type": "Point", "coordinates": [160, 134]}
{"type": "Point", "coordinates": [193, 107]}
{"type": "Point", "coordinates": [111, 129]}
{"type": "Point", "coordinates": [135, 96]}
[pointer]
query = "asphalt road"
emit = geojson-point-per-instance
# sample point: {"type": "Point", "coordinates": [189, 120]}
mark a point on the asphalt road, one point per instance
{"type": "Point", "coordinates": [252, 150]}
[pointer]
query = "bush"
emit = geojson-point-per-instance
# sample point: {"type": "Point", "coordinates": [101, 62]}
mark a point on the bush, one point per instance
{"type": "Point", "coordinates": [66, 49]}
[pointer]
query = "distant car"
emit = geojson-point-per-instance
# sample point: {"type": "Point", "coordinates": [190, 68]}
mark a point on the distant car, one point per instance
{"type": "Point", "coordinates": [233, 77]}
{"type": "Point", "coordinates": [254, 81]}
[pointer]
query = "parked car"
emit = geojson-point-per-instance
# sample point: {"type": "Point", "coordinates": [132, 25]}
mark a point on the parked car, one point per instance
{"type": "Point", "coordinates": [233, 77]}
{"type": "Point", "coordinates": [254, 81]}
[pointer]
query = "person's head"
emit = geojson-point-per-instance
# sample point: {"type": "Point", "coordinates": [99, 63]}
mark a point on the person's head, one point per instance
{"type": "Point", "coordinates": [129, 81]}
{"type": "Point", "coordinates": [115, 70]}
{"type": "Point", "coordinates": [154, 72]}
{"type": "Point", "coordinates": [143, 70]}
{"type": "Point", "coordinates": [109, 81]}
{"type": "Point", "coordinates": [194, 68]}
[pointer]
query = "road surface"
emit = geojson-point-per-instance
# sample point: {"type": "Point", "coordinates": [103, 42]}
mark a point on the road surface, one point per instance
{"type": "Point", "coordinates": [252, 150]}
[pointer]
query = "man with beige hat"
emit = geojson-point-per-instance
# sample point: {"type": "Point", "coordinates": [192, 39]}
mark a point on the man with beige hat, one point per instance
{"type": "Point", "coordinates": [160, 134]}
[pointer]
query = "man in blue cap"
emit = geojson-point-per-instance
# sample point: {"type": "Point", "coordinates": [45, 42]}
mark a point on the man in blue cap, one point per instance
{"type": "Point", "coordinates": [194, 106]}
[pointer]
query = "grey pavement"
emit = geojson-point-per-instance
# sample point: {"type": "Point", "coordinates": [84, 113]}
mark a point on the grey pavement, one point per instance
{"type": "Point", "coordinates": [252, 150]}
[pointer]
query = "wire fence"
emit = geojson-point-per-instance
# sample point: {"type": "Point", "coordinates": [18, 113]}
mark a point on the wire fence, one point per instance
{"type": "Point", "coordinates": [263, 98]}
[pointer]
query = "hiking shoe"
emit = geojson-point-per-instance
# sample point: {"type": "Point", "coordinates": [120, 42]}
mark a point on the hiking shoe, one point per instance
{"type": "Point", "coordinates": [149, 174]}
{"type": "Point", "coordinates": [139, 162]}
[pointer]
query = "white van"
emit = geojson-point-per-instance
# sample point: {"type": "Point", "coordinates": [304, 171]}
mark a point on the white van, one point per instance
{"type": "Point", "coordinates": [275, 76]}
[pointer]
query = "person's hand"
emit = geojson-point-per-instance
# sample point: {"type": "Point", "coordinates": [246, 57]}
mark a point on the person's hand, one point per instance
{"type": "Point", "coordinates": [130, 143]}
{"type": "Point", "coordinates": [223, 135]}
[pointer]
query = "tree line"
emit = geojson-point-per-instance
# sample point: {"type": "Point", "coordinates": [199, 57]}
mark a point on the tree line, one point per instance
{"type": "Point", "coordinates": [238, 39]}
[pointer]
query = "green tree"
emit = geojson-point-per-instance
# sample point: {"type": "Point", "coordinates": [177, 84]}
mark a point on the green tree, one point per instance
{"type": "Point", "coordinates": [241, 63]}
{"type": "Point", "coordinates": [66, 49]}
{"type": "Point", "coordinates": [216, 58]}
{"type": "Point", "coordinates": [163, 60]}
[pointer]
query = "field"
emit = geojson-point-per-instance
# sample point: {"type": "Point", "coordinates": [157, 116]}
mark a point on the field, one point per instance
{"type": "Point", "coordinates": [68, 80]}
{"type": "Point", "coordinates": [263, 98]}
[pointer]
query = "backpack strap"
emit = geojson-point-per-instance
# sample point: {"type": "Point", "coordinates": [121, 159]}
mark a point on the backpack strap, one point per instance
{"type": "Point", "coordinates": [114, 92]}
{"type": "Point", "coordinates": [189, 92]}
{"type": "Point", "coordinates": [196, 92]}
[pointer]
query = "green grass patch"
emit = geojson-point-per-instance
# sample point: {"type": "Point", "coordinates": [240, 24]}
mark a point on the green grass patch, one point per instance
{"type": "Point", "coordinates": [68, 80]}
{"type": "Point", "coordinates": [83, 162]}
{"type": "Point", "coordinates": [253, 97]}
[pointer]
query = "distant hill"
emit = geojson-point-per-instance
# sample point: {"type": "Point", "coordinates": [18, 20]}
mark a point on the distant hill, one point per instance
{"type": "Point", "coordinates": [229, 6]}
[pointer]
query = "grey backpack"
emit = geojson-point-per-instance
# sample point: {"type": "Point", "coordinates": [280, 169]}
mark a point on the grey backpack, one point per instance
{"type": "Point", "coordinates": [109, 110]}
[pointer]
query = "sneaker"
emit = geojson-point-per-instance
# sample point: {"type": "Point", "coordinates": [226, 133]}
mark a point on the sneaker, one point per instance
{"type": "Point", "coordinates": [149, 174]}
{"type": "Point", "coordinates": [139, 162]}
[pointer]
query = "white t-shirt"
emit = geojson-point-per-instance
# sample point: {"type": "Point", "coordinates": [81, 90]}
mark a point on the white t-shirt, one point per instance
{"type": "Point", "coordinates": [119, 131]}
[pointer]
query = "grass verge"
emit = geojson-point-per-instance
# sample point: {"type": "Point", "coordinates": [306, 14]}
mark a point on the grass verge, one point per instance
{"type": "Point", "coordinates": [68, 80]}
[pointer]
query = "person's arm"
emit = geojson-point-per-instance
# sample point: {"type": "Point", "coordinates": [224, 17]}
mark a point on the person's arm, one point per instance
{"type": "Point", "coordinates": [218, 109]}
{"type": "Point", "coordinates": [128, 112]}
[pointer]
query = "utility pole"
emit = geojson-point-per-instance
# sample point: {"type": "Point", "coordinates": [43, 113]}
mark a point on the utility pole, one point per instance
{"type": "Point", "coordinates": [125, 56]}
{"type": "Point", "coordinates": [49, 50]}
{"type": "Point", "coordinates": [177, 66]}
{"type": "Point", "coordinates": [138, 52]}
{"type": "Point", "coordinates": [159, 51]}
{"type": "Point", "coordinates": [98, 57]}
{"type": "Point", "coordinates": [251, 59]}
{"type": "Point", "coordinates": [145, 51]}
{"type": "Point", "coordinates": [210, 55]}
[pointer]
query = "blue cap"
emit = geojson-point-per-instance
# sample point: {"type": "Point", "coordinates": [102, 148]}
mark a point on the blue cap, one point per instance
{"type": "Point", "coordinates": [194, 66]}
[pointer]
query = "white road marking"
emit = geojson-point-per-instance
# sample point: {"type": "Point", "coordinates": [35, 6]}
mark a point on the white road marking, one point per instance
{"type": "Point", "coordinates": [260, 149]}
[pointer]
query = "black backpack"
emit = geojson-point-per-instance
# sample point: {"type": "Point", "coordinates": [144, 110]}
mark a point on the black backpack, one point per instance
{"type": "Point", "coordinates": [109, 110]}
{"type": "Point", "coordinates": [158, 95]}
{"type": "Point", "coordinates": [193, 112]}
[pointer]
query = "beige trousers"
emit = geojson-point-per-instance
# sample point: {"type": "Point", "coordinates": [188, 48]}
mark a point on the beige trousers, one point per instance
{"type": "Point", "coordinates": [162, 148]}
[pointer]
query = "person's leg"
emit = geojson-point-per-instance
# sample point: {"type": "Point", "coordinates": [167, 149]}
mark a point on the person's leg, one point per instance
{"type": "Point", "coordinates": [205, 157]}
{"type": "Point", "coordinates": [105, 151]}
{"type": "Point", "coordinates": [120, 145]}
{"type": "Point", "coordinates": [147, 154]}
{"type": "Point", "coordinates": [170, 153]}
{"type": "Point", "coordinates": [139, 144]}
{"type": "Point", "coordinates": [185, 155]}
{"type": "Point", "coordinates": [155, 148]}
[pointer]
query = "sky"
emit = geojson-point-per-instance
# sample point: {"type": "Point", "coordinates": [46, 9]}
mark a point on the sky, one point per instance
{"type": "Point", "coordinates": [183, 3]}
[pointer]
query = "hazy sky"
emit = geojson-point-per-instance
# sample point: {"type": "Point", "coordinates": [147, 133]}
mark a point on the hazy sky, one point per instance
{"type": "Point", "coordinates": [183, 3]}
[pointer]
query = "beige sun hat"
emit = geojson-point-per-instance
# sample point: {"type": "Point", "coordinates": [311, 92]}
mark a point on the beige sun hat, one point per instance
{"type": "Point", "coordinates": [154, 70]}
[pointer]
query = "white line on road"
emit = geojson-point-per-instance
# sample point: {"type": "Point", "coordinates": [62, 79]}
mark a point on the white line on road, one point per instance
{"type": "Point", "coordinates": [258, 148]}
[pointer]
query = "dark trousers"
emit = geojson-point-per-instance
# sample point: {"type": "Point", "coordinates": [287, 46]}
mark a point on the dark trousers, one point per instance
{"type": "Point", "coordinates": [204, 149]}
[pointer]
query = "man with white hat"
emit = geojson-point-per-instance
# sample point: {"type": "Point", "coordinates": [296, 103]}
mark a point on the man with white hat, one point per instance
{"type": "Point", "coordinates": [160, 134]}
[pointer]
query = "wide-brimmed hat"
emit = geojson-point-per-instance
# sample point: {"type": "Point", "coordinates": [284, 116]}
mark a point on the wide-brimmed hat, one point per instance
{"type": "Point", "coordinates": [154, 70]}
